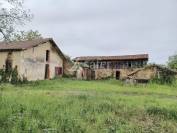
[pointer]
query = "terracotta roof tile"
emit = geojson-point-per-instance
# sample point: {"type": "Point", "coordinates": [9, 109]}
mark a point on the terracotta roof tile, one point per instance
{"type": "Point", "coordinates": [21, 45]}
{"type": "Point", "coordinates": [105, 58]}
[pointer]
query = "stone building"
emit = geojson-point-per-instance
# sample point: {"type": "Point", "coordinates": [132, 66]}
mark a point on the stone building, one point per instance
{"type": "Point", "coordinates": [114, 66]}
{"type": "Point", "coordinates": [35, 60]}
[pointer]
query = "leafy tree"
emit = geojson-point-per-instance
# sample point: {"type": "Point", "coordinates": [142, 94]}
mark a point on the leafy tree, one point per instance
{"type": "Point", "coordinates": [172, 62]}
{"type": "Point", "coordinates": [23, 36]}
{"type": "Point", "coordinates": [11, 15]}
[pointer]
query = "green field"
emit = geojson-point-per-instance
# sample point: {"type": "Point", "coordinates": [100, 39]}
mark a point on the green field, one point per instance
{"type": "Point", "coordinates": [72, 106]}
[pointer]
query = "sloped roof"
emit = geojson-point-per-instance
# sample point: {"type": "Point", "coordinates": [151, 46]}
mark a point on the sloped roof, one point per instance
{"type": "Point", "coordinates": [23, 45]}
{"type": "Point", "coordinates": [105, 58]}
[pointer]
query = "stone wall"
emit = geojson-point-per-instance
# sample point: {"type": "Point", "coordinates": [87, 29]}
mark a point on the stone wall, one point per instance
{"type": "Point", "coordinates": [124, 72]}
{"type": "Point", "coordinates": [31, 62]}
{"type": "Point", "coordinates": [147, 73]}
{"type": "Point", "coordinates": [16, 58]}
{"type": "Point", "coordinates": [103, 73]}
{"type": "Point", "coordinates": [111, 73]}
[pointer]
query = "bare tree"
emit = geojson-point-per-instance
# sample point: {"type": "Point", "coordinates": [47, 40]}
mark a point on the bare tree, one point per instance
{"type": "Point", "coordinates": [11, 15]}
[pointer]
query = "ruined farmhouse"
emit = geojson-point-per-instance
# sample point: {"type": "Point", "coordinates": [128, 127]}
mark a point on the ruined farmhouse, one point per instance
{"type": "Point", "coordinates": [153, 71]}
{"type": "Point", "coordinates": [35, 60]}
{"type": "Point", "coordinates": [113, 66]}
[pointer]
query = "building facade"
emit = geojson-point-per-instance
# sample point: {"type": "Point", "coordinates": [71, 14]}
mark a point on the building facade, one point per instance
{"type": "Point", "coordinates": [114, 66]}
{"type": "Point", "coordinates": [34, 60]}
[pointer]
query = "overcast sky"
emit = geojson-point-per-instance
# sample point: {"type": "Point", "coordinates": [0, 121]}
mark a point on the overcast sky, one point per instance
{"type": "Point", "coordinates": [108, 27]}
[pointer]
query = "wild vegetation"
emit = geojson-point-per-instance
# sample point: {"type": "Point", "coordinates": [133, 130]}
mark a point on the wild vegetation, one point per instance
{"type": "Point", "coordinates": [172, 62]}
{"type": "Point", "coordinates": [65, 105]}
{"type": "Point", "coordinates": [11, 76]}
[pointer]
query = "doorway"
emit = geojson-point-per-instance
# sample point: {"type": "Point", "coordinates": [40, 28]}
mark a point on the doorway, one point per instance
{"type": "Point", "coordinates": [117, 75]}
{"type": "Point", "coordinates": [47, 71]}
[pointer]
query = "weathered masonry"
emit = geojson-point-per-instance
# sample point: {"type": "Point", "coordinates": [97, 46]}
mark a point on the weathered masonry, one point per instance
{"type": "Point", "coordinates": [116, 66]}
{"type": "Point", "coordinates": [35, 60]}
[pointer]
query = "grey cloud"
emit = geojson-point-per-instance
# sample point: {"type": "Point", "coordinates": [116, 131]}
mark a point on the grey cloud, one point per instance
{"type": "Point", "coordinates": [108, 27]}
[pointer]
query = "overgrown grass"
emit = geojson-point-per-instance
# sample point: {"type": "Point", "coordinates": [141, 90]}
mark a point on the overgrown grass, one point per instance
{"type": "Point", "coordinates": [70, 106]}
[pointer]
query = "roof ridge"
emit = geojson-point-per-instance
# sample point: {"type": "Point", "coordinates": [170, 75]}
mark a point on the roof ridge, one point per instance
{"type": "Point", "coordinates": [114, 55]}
{"type": "Point", "coordinates": [21, 45]}
{"type": "Point", "coordinates": [15, 41]}
{"type": "Point", "coordinates": [119, 57]}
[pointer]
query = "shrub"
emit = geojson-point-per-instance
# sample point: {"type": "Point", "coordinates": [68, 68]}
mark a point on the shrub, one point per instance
{"type": "Point", "coordinates": [164, 79]}
{"type": "Point", "coordinates": [14, 75]}
{"type": "Point", "coordinates": [11, 76]}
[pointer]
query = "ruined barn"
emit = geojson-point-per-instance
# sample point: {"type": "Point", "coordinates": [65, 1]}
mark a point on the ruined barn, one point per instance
{"type": "Point", "coordinates": [113, 66]}
{"type": "Point", "coordinates": [37, 59]}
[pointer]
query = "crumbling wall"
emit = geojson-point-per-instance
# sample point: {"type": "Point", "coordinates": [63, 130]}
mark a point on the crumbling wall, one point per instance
{"type": "Point", "coordinates": [103, 73]}
{"type": "Point", "coordinates": [16, 58]}
{"type": "Point", "coordinates": [147, 73]}
{"type": "Point", "coordinates": [124, 72]}
{"type": "Point", "coordinates": [80, 73]}
{"type": "Point", "coordinates": [32, 70]}
{"type": "Point", "coordinates": [34, 60]}
{"type": "Point", "coordinates": [111, 73]}
{"type": "Point", "coordinates": [67, 67]}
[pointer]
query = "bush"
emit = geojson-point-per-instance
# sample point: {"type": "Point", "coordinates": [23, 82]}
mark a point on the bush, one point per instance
{"type": "Point", "coordinates": [4, 76]}
{"type": "Point", "coordinates": [11, 76]}
{"type": "Point", "coordinates": [165, 79]}
{"type": "Point", "coordinates": [172, 62]}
